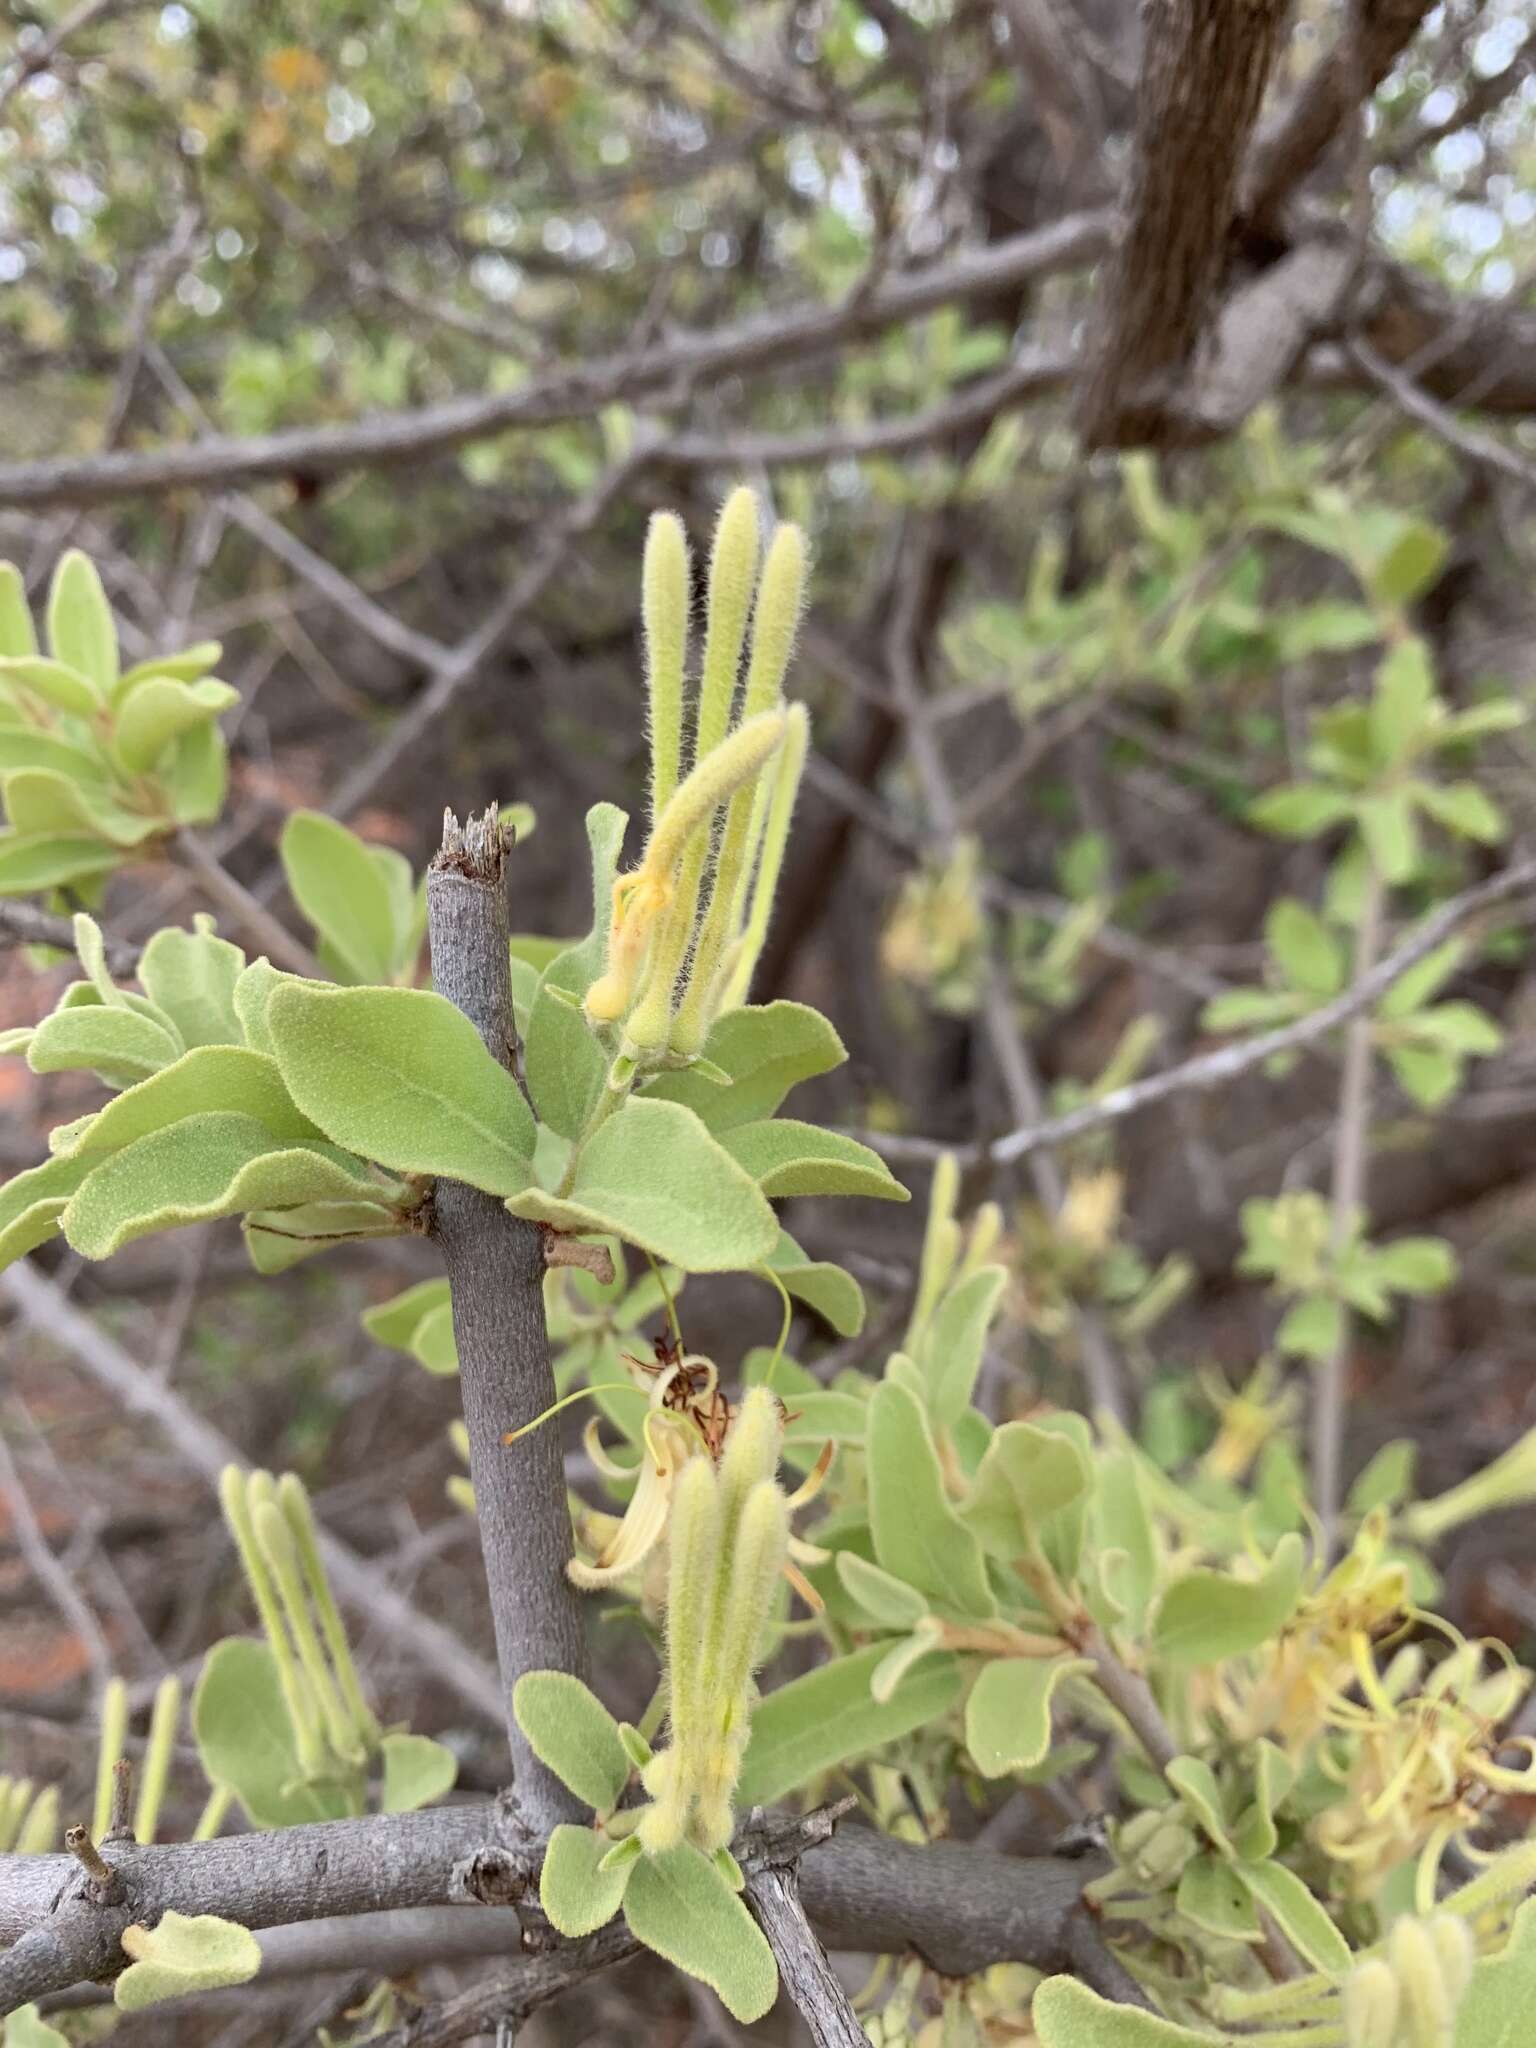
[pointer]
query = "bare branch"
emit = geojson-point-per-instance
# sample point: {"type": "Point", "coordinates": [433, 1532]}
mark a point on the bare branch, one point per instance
{"type": "Point", "coordinates": [410, 1632]}
{"type": "Point", "coordinates": [496, 1272]}
{"type": "Point", "coordinates": [804, 1970]}
{"type": "Point", "coordinates": [22, 924]}
{"type": "Point", "coordinates": [1217, 1069]}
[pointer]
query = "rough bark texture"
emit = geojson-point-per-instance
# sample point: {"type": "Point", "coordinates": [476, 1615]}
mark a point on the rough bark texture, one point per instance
{"type": "Point", "coordinates": [1204, 69]}
{"type": "Point", "coordinates": [804, 1971]}
{"type": "Point", "coordinates": [496, 1271]}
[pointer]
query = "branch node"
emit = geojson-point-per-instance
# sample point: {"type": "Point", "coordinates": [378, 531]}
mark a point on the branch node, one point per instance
{"type": "Point", "coordinates": [560, 1250]}
{"type": "Point", "coordinates": [104, 1884]}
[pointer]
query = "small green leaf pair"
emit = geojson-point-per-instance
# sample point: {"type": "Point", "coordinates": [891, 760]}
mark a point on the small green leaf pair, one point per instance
{"type": "Point", "coordinates": [96, 762]}
{"type": "Point", "coordinates": [677, 1901]}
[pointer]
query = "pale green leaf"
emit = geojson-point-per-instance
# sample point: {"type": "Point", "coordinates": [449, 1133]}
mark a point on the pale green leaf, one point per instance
{"type": "Point", "coordinates": [1301, 1918]}
{"type": "Point", "coordinates": [26, 2027]}
{"type": "Point", "coordinates": [1066, 2014]}
{"type": "Point", "coordinates": [192, 976]}
{"type": "Point", "coordinates": [81, 633]}
{"type": "Point", "coordinates": [30, 863]}
{"type": "Point", "coordinates": [117, 1044]}
{"type": "Point", "coordinates": [678, 1904]}
{"type": "Point", "coordinates": [654, 1176]}
{"type": "Point", "coordinates": [57, 684]}
{"type": "Point", "coordinates": [1008, 1715]}
{"type": "Point", "coordinates": [1195, 1782]}
{"type": "Point", "coordinates": [417, 1770]}
{"type": "Point", "coordinates": [829, 1718]}
{"type": "Point", "coordinates": [395, 1322]}
{"type": "Point", "coordinates": [160, 711]}
{"type": "Point", "coordinates": [833, 1294]}
{"type": "Point", "coordinates": [577, 1895]}
{"type": "Point", "coordinates": [279, 1238]}
{"type": "Point", "coordinates": [402, 1077]}
{"type": "Point", "coordinates": [918, 1536]}
{"type": "Point", "coordinates": [40, 801]}
{"type": "Point", "coordinates": [566, 1066]}
{"type": "Point", "coordinates": [786, 1157]}
{"type": "Point", "coordinates": [1026, 1476]}
{"type": "Point", "coordinates": [1301, 810]}
{"type": "Point", "coordinates": [1306, 952]}
{"type": "Point", "coordinates": [950, 1353]}
{"type": "Point", "coordinates": [225, 1078]}
{"type": "Point", "coordinates": [189, 666]}
{"type": "Point", "coordinates": [766, 1050]}
{"type": "Point", "coordinates": [1312, 1327]}
{"type": "Point", "coordinates": [1463, 808]}
{"type": "Point", "coordinates": [889, 1601]}
{"type": "Point", "coordinates": [182, 1956]}
{"type": "Point", "coordinates": [17, 636]}
{"type": "Point", "coordinates": [343, 891]}
{"type": "Point", "coordinates": [31, 1204]}
{"type": "Point", "coordinates": [1207, 1616]}
{"type": "Point", "coordinates": [1496, 2009]}
{"type": "Point", "coordinates": [245, 1738]}
{"type": "Point", "coordinates": [572, 1732]}
{"type": "Point", "coordinates": [1214, 1898]}
{"type": "Point", "coordinates": [194, 1171]}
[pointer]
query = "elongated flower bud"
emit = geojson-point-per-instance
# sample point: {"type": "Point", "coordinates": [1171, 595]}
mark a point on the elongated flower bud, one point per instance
{"type": "Point", "coordinates": [769, 861]}
{"type": "Point", "coordinates": [732, 573]}
{"type": "Point", "coordinates": [1372, 2004]}
{"type": "Point", "coordinates": [239, 1494]}
{"type": "Point", "coordinates": [664, 609]}
{"type": "Point", "coordinates": [773, 637]}
{"type": "Point", "coordinates": [281, 1552]}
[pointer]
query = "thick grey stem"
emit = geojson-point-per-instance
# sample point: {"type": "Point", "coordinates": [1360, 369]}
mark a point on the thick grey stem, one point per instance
{"type": "Point", "coordinates": [803, 1967]}
{"type": "Point", "coordinates": [496, 1271]}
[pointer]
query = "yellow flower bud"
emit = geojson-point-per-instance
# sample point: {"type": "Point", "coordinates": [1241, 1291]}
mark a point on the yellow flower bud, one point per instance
{"type": "Point", "coordinates": [737, 981]}
{"type": "Point", "coordinates": [664, 610]}
{"type": "Point", "coordinates": [732, 572]}
{"type": "Point", "coordinates": [1372, 2004]}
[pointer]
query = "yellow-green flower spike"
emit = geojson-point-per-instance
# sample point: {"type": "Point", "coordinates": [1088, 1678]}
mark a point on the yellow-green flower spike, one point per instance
{"type": "Point", "coordinates": [681, 841]}
{"type": "Point", "coordinates": [1372, 2005]}
{"type": "Point", "coordinates": [294, 1502]}
{"type": "Point", "coordinates": [738, 969]}
{"type": "Point", "coordinates": [156, 1767]}
{"type": "Point", "coordinates": [236, 1492]}
{"type": "Point", "coordinates": [664, 610]}
{"type": "Point", "coordinates": [695, 1537]}
{"type": "Point", "coordinates": [282, 1555]}
{"type": "Point", "coordinates": [774, 621]}
{"type": "Point", "coordinates": [109, 1747]}
{"type": "Point", "coordinates": [732, 573]}
{"type": "Point", "coordinates": [40, 1830]}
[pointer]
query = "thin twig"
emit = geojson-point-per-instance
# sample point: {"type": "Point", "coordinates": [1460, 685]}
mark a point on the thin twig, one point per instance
{"type": "Point", "coordinates": [50, 1573]}
{"type": "Point", "coordinates": [1351, 1151]}
{"type": "Point", "coordinates": [254, 921]}
{"type": "Point", "coordinates": [1217, 1069]}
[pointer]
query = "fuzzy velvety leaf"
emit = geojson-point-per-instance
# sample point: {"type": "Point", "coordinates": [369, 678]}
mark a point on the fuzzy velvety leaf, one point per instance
{"type": "Point", "coordinates": [1008, 1715]}
{"type": "Point", "coordinates": [81, 632]}
{"type": "Point", "coordinates": [31, 1204]}
{"type": "Point", "coordinates": [1495, 2011]}
{"type": "Point", "coordinates": [829, 1717]}
{"type": "Point", "coordinates": [570, 1730]}
{"type": "Point", "coordinates": [17, 636]}
{"type": "Point", "coordinates": [678, 1904]}
{"type": "Point", "coordinates": [401, 1076]}
{"type": "Point", "coordinates": [342, 890]}
{"type": "Point", "coordinates": [160, 711]}
{"type": "Point", "coordinates": [766, 1050]}
{"type": "Point", "coordinates": [566, 1066]}
{"type": "Point", "coordinates": [1026, 1475]}
{"type": "Point", "coordinates": [225, 1078]}
{"type": "Point", "coordinates": [394, 1322]}
{"type": "Point", "coordinates": [654, 1176]}
{"type": "Point", "coordinates": [30, 862]}
{"type": "Point", "coordinates": [887, 1600]}
{"type": "Point", "coordinates": [1305, 1922]}
{"type": "Point", "coordinates": [120, 1045]}
{"type": "Point", "coordinates": [576, 1895]}
{"type": "Point", "coordinates": [1207, 1616]}
{"type": "Point", "coordinates": [919, 1538]}
{"type": "Point", "coordinates": [834, 1295]}
{"type": "Point", "coordinates": [417, 1770]}
{"type": "Point", "coordinates": [1215, 1899]}
{"type": "Point", "coordinates": [950, 1354]}
{"type": "Point", "coordinates": [786, 1157]}
{"type": "Point", "coordinates": [246, 1741]}
{"type": "Point", "coordinates": [279, 1238]}
{"type": "Point", "coordinates": [201, 1168]}
{"type": "Point", "coordinates": [192, 976]}
{"type": "Point", "coordinates": [181, 1956]}
{"type": "Point", "coordinates": [41, 801]}
{"type": "Point", "coordinates": [1066, 2014]}
{"type": "Point", "coordinates": [55, 682]}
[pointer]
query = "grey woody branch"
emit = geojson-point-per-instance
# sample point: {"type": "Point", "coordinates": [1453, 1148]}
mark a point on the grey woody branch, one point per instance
{"type": "Point", "coordinates": [960, 1907]}
{"type": "Point", "coordinates": [495, 1267]}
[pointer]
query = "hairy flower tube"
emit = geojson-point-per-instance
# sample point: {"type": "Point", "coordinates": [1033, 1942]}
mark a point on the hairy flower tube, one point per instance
{"type": "Point", "coordinates": [685, 918]}
{"type": "Point", "coordinates": [1407, 1997]}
